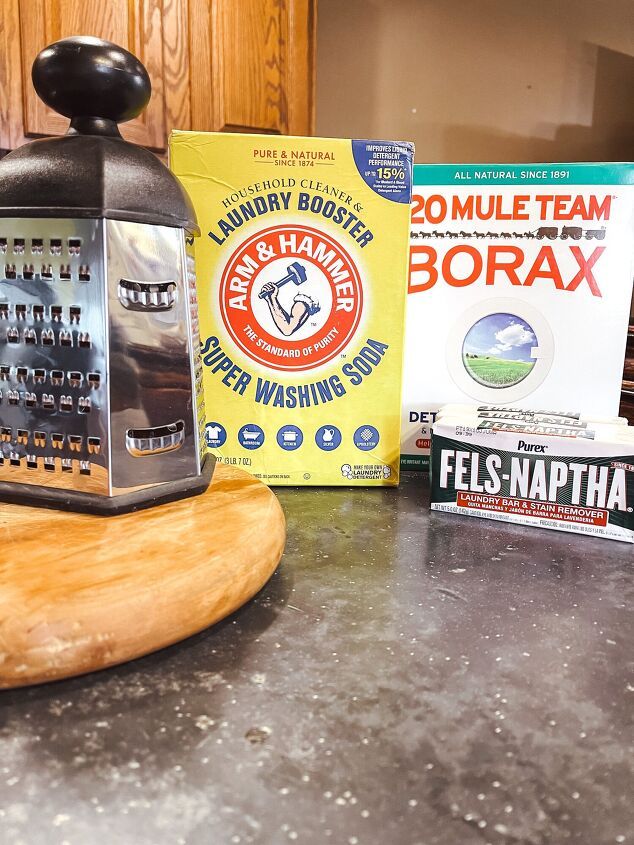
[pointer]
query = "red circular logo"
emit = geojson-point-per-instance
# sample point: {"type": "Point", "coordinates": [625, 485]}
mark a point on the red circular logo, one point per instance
{"type": "Point", "coordinates": [291, 297]}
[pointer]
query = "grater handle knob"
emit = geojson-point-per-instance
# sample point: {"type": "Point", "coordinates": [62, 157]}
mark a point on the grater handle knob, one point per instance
{"type": "Point", "coordinates": [95, 83]}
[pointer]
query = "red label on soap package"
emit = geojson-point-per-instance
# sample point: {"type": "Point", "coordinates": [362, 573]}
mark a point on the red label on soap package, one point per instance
{"type": "Point", "coordinates": [527, 507]}
{"type": "Point", "coordinates": [291, 297]}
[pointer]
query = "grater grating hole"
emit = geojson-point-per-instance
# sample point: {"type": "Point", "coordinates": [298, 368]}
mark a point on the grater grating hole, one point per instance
{"type": "Point", "coordinates": [18, 246]}
{"type": "Point", "coordinates": [20, 311]}
{"type": "Point", "coordinates": [56, 246]}
{"type": "Point", "coordinates": [75, 313]}
{"type": "Point", "coordinates": [30, 336]}
{"type": "Point", "coordinates": [84, 273]}
{"type": "Point", "coordinates": [28, 271]}
{"type": "Point", "coordinates": [47, 271]}
{"type": "Point", "coordinates": [74, 246]}
{"type": "Point", "coordinates": [94, 380]}
{"type": "Point", "coordinates": [21, 373]}
{"type": "Point", "coordinates": [56, 313]}
{"type": "Point", "coordinates": [9, 271]}
{"type": "Point", "coordinates": [39, 375]}
{"type": "Point", "coordinates": [31, 462]}
{"type": "Point", "coordinates": [4, 310]}
{"type": "Point", "coordinates": [64, 271]}
{"type": "Point", "coordinates": [3, 245]}
{"type": "Point", "coordinates": [57, 377]}
{"type": "Point", "coordinates": [38, 312]}
{"type": "Point", "coordinates": [37, 246]}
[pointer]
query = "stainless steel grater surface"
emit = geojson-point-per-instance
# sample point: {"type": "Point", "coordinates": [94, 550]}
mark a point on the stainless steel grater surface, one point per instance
{"type": "Point", "coordinates": [100, 385]}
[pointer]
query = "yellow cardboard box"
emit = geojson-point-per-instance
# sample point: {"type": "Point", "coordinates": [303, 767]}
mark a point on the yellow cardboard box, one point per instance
{"type": "Point", "coordinates": [302, 275]}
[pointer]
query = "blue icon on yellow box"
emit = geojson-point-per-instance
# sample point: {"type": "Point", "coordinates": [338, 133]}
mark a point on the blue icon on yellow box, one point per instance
{"type": "Point", "coordinates": [289, 438]}
{"type": "Point", "coordinates": [328, 438]}
{"type": "Point", "coordinates": [366, 437]}
{"type": "Point", "coordinates": [251, 436]}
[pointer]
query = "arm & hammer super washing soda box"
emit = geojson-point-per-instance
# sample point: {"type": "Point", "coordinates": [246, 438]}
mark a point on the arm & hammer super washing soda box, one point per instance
{"type": "Point", "coordinates": [302, 277]}
{"type": "Point", "coordinates": [519, 290]}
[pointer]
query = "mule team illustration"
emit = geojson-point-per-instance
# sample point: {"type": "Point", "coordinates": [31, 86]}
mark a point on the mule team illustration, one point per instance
{"type": "Point", "coordinates": [576, 233]}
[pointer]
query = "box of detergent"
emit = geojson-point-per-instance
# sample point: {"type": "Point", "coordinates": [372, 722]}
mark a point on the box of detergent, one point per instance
{"type": "Point", "coordinates": [519, 290]}
{"type": "Point", "coordinates": [551, 470]}
{"type": "Point", "coordinates": [302, 277]}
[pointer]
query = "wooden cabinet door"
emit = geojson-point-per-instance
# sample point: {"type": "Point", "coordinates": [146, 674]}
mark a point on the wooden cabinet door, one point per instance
{"type": "Point", "coordinates": [215, 65]}
{"type": "Point", "coordinates": [11, 129]}
{"type": "Point", "coordinates": [251, 66]}
{"type": "Point", "coordinates": [136, 25]}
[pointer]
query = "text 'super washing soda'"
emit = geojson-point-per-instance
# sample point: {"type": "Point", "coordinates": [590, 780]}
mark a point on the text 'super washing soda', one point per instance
{"type": "Point", "coordinates": [302, 269]}
{"type": "Point", "coordinates": [519, 290]}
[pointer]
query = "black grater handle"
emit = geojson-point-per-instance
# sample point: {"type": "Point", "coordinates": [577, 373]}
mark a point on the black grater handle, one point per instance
{"type": "Point", "coordinates": [95, 83]}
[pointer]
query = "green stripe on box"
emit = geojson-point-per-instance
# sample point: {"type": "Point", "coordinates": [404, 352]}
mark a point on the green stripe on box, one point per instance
{"type": "Point", "coordinates": [415, 462]}
{"type": "Point", "coordinates": [610, 173]}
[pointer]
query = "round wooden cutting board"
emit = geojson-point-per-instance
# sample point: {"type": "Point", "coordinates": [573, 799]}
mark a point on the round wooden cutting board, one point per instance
{"type": "Point", "coordinates": [79, 592]}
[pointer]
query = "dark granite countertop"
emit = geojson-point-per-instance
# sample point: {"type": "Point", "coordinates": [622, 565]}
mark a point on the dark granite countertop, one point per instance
{"type": "Point", "coordinates": [405, 678]}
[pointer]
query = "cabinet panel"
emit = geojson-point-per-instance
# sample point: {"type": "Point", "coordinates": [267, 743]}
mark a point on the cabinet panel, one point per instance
{"type": "Point", "coordinates": [252, 65]}
{"type": "Point", "coordinates": [11, 132]}
{"type": "Point", "coordinates": [176, 65]}
{"type": "Point", "coordinates": [233, 65]}
{"type": "Point", "coordinates": [300, 66]}
{"type": "Point", "coordinates": [253, 93]}
{"type": "Point", "coordinates": [136, 25]}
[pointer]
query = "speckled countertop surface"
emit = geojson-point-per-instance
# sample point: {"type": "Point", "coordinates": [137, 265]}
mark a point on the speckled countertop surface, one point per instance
{"type": "Point", "coordinates": [403, 679]}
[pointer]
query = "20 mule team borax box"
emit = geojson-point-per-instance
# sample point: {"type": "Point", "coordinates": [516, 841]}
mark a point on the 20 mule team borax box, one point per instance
{"type": "Point", "coordinates": [519, 290]}
{"type": "Point", "coordinates": [302, 276]}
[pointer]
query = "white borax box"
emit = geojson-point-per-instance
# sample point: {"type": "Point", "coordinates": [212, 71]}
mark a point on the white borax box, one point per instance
{"type": "Point", "coordinates": [302, 276]}
{"type": "Point", "coordinates": [519, 290]}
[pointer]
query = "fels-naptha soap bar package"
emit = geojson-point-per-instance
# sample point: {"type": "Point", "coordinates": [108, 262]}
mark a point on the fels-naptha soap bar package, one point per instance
{"type": "Point", "coordinates": [519, 290]}
{"type": "Point", "coordinates": [302, 277]}
{"type": "Point", "coordinates": [537, 473]}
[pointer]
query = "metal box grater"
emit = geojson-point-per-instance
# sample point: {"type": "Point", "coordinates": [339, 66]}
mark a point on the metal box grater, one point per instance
{"type": "Point", "coordinates": [101, 405]}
